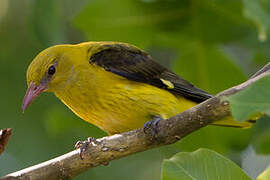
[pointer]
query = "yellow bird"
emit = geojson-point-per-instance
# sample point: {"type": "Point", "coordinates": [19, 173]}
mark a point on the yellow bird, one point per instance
{"type": "Point", "coordinates": [115, 86]}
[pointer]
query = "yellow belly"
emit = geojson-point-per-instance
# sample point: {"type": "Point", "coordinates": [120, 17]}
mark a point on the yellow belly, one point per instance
{"type": "Point", "coordinates": [129, 106]}
{"type": "Point", "coordinates": [116, 104]}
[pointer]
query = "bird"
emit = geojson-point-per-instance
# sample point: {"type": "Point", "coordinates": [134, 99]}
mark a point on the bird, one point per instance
{"type": "Point", "coordinates": [113, 85]}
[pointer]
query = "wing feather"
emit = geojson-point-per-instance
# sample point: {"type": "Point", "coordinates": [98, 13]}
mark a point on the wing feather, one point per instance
{"type": "Point", "coordinates": [136, 65]}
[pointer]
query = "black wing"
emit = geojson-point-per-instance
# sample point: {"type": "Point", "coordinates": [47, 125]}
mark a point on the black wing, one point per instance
{"type": "Point", "coordinates": [136, 65]}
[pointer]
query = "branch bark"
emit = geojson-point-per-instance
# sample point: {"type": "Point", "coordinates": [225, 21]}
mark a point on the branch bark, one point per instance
{"type": "Point", "coordinates": [117, 146]}
{"type": "Point", "coordinates": [4, 137]}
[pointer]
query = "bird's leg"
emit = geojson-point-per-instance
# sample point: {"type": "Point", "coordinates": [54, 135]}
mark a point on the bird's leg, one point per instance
{"type": "Point", "coordinates": [153, 124]}
{"type": "Point", "coordinates": [84, 144]}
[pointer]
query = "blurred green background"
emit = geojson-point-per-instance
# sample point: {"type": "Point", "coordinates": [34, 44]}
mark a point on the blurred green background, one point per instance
{"type": "Point", "coordinates": [215, 44]}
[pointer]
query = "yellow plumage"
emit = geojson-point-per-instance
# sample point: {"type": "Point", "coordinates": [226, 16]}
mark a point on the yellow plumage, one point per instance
{"type": "Point", "coordinates": [107, 98]}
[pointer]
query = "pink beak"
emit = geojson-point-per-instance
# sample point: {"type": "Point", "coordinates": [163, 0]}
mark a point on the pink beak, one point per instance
{"type": "Point", "coordinates": [32, 92]}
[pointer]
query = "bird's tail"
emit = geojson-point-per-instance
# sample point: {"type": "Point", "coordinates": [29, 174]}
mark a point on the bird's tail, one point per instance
{"type": "Point", "coordinates": [231, 122]}
{"type": "Point", "coordinates": [226, 122]}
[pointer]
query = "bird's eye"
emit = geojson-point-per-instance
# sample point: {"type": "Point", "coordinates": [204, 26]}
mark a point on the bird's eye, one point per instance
{"type": "Point", "coordinates": [51, 70]}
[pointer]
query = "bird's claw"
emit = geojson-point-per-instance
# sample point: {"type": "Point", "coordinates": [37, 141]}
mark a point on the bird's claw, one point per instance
{"type": "Point", "coordinates": [83, 145]}
{"type": "Point", "coordinates": [153, 124]}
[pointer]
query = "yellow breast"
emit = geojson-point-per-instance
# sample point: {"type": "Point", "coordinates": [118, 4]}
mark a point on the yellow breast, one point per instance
{"type": "Point", "coordinates": [116, 104]}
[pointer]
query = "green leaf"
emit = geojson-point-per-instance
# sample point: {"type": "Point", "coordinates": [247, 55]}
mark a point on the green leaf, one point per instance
{"type": "Point", "coordinates": [261, 136]}
{"type": "Point", "coordinates": [262, 142]}
{"type": "Point", "coordinates": [265, 175]}
{"type": "Point", "coordinates": [252, 101]}
{"type": "Point", "coordinates": [202, 164]}
{"type": "Point", "coordinates": [256, 11]}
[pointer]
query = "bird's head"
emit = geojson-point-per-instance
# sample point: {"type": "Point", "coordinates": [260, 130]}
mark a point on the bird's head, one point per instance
{"type": "Point", "coordinates": [50, 70]}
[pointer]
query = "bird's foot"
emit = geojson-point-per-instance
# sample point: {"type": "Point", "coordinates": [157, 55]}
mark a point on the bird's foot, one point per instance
{"type": "Point", "coordinates": [153, 125]}
{"type": "Point", "coordinates": [84, 144]}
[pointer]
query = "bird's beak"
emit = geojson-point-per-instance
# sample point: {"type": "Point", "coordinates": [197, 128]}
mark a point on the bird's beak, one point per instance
{"type": "Point", "coordinates": [32, 92]}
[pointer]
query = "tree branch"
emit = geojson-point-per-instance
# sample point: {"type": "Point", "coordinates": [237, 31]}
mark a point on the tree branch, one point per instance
{"type": "Point", "coordinates": [117, 146]}
{"type": "Point", "coordinates": [4, 137]}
